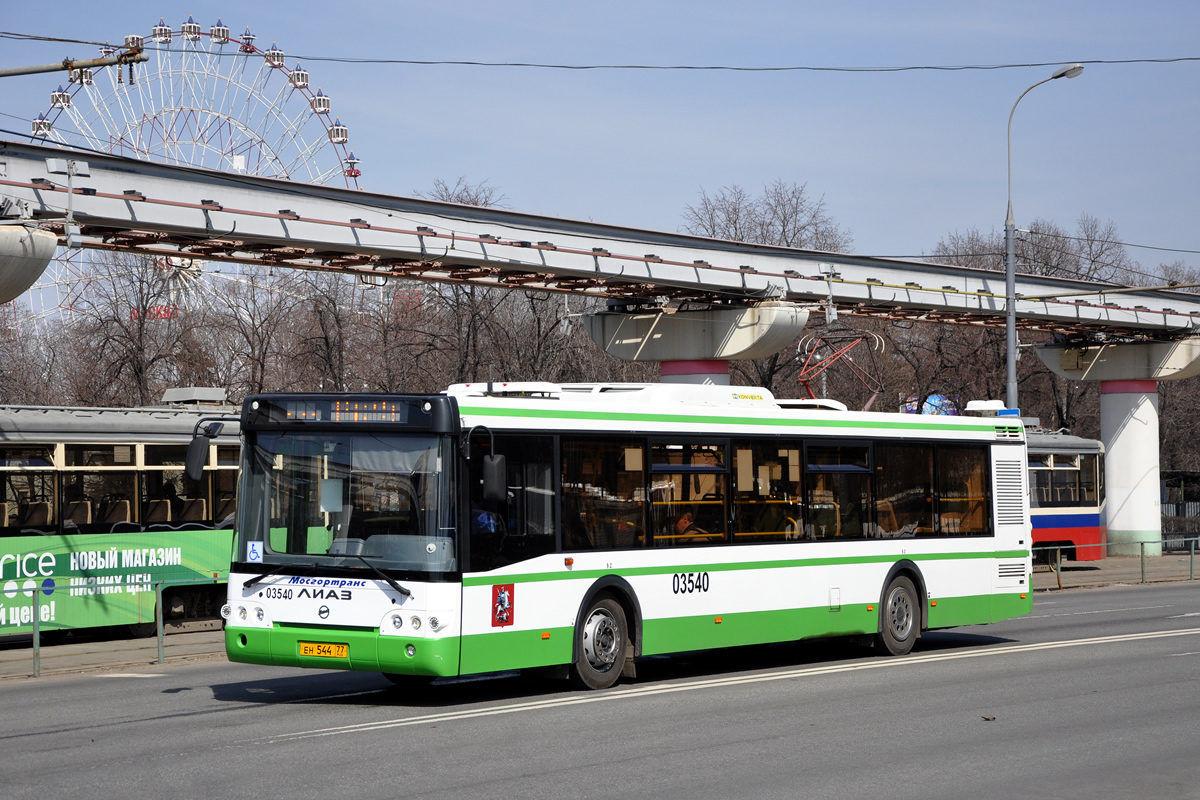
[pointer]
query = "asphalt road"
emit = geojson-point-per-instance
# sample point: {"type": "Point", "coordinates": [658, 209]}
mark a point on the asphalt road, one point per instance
{"type": "Point", "coordinates": [1093, 695]}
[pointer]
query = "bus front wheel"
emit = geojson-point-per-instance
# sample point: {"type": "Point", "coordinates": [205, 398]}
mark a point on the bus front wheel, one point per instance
{"type": "Point", "coordinates": [900, 617]}
{"type": "Point", "coordinates": [600, 643]}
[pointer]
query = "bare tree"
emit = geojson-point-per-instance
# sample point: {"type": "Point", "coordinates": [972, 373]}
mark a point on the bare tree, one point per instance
{"type": "Point", "coordinates": [132, 334]}
{"type": "Point", "coordinates": [783, 215]}
{"type": "Point", "coordinates": [463, 191]}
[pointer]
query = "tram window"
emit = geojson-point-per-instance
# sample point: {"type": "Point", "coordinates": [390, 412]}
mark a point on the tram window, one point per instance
{"type": "Point", "coordinates": [904, 490]}
{"type": "Point", "coordinates": [99, 502]}
{"type": "Point", "coordinates": [99, 455]}
{"type": "Point", "coordinates": [837, 487]}
{"type": "Point", "coordinates": [1087, 479]}
{"type": "Point", "coordinates": [767, 491]}
{"type": "Point", "coordinates": [964, 491]}
{"type": "Point", "coordinates": [688, 489]}
{"type": "Point", "coordinates": [224, 497]}
{"type": "Point", "coordinates": [228, 456]}
{"type": "Point", "coordinates": [521, 526]}
{"type": "Point", "coordinates": [30, 503]}
{"type": "Point", "coordinates": [603, 493]}
{"type": "Point", "coordinates": [165, 455]}
{"type": "Point", "coordinates": [26, 456]}
{"type": "Point", "coordinates": [170, 500]}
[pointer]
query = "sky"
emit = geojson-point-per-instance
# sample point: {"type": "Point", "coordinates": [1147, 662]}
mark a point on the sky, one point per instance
{"type": "Point", "coordinates": [902, 159]}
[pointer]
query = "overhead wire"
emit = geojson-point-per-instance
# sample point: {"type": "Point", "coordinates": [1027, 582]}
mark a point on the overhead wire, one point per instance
{"type": "Point", "coordinates": [149, 45]}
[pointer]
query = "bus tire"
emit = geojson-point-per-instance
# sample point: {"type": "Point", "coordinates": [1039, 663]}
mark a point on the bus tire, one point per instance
{"type": "Point", "coordinates": [899, 616]}
{"type": "Point", "coordinates": [601, 642]}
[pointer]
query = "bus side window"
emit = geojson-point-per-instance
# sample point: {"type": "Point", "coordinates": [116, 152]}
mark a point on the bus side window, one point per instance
{"type": "Point", "coordinates": [904, 490]}
{"type": "Point", "coordinates": [767, 491]}
{"type": "Point", "coordinates": [603, 493]}
{"type": "Point", "coordinates": [521, 526]}
{"type": "Point", "coordinates": [838, 490]}
{"type": "Point", "coordinates": [964, 490]}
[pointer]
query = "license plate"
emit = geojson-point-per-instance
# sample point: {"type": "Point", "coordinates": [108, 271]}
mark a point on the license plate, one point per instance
{"type": "Point", "coordinates": [324, 650]}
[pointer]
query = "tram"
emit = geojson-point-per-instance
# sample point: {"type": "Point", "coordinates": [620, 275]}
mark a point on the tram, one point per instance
{"type": "Point", "coordinates": [97, 518]}
{"type": "Point", "coordinates": [1066, 496]}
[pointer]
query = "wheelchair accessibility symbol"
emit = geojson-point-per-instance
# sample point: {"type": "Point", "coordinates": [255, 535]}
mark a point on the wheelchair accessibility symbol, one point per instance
{"type": "Point", "coordinates": [254, 552]}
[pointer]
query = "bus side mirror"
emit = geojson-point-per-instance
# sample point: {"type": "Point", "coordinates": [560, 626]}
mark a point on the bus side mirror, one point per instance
{"type": "Point", "coordinates": [495, 476]}
{"type": "Point", "coordinates": [197, 454]}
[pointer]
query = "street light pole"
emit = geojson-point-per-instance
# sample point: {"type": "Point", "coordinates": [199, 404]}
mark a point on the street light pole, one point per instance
{"type": "Point", "coordinates": [1010, 257]}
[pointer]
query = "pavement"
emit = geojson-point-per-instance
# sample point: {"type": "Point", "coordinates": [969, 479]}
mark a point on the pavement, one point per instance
{"type": "Point", "coordinates": [108, 651]}
{"type": "Point", "coordinates": [1115, 570]}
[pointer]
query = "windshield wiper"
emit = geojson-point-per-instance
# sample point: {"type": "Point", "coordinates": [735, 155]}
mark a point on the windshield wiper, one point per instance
{"type": "Point", "coordinates": [253, 581]}
{"type": "Point", "coordinates": [383, 575]}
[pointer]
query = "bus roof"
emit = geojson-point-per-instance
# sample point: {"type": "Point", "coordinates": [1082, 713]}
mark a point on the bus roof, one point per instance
{"type": "Point", "coordinates": [688, 408]}
{"type": "Point", "coordinates": [20, 424]}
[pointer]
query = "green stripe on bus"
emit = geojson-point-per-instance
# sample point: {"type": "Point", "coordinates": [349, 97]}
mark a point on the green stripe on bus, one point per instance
{"type": "Point", "coordinates": [495, 652]}
{"type": "Point", "coordinates": [506, 650]}
{"type": "Point", "coordinates": [592, 574]}
{"type": "Point", "coordinates": [689, 419]}
{"type": "Point", "coordinates": [367, 650]}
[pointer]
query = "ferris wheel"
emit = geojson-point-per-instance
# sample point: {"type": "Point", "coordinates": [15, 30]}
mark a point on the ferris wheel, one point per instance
{"type": "Point", "coordinates": [204, 99]}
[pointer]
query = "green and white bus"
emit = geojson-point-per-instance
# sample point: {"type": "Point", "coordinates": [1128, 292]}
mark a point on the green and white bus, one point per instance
{"type": "Point", "coordinates": [529, 525]}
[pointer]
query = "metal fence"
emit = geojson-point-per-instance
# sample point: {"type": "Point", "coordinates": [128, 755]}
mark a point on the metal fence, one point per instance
{"type": "Point", "coordinates": [158, 621]}
{"type": "Point", "coordinates": [1177, 563]}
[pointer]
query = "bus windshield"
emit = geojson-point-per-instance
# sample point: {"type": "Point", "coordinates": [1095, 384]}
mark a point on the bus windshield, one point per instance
{"type": "Point", "coordinates": [348, 499]}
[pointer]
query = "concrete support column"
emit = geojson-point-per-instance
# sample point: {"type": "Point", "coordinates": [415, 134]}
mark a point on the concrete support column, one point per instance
{"type": "Point", "coordinates": [697, 346]}
{"type": "Point", "coordinates": [714, 371]}
{"type": "Point", "coordinates": [1129, 429]}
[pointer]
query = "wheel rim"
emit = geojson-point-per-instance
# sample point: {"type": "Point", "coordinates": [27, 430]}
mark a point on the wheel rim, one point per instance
{"type": "Point", "coordinates": [601, 639]}
{"type": "Point", "coordinates": [900, 614]}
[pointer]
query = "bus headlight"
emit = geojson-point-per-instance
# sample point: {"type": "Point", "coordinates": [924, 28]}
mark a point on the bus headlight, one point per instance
{"type": "Point", "coordinates": [241, 612]}
{"type": "Point", "coordinates": [226, 611]}
{"type": "Point", "coordinates": [416, 623]}
{"type": "Point", "coordinates": [411, 650]}
{"type": "Point", "coordinates": [397, 621]}
{"type": "Point", "coordinates": [261, 614]}
{"type": "Point", "coordinates": [434, 624]}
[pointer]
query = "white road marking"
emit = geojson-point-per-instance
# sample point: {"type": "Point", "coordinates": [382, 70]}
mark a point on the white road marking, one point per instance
{"type": "Point", "coordinates": [1101, 611]}
{"type": "Point", "coordinates": [1181, 616]}
{"type": "Point", "coordinates": [689, 686]}
{"type": "Point", "coordinates": [129, 675]}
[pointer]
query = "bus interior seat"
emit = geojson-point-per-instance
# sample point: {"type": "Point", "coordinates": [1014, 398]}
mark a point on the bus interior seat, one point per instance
{"type": "Point", "coordinates": [225, 507]}
{"type": "Point", "coordinates": [79, 512]}
{"type": "Point", "coordinates": [886, 516]}
{"type": "Point", "coordinates": [37, 514]}
{"type": "Point", "coordinates": [158, 511]}
{"type": "Point", "coordinates": [193, 510]}
{"type": "Point", "coordinates": [116, 511]}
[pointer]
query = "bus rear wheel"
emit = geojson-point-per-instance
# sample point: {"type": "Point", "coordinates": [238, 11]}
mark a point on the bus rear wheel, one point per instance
{"type": "Point", "coordinates": [900, 617]}
{"type": "Point", "coordinates": [600, 643]}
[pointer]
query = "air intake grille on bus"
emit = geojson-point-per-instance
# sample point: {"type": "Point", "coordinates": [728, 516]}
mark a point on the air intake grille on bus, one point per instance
{"type": "Point", "coordinates": [1008, 432]}
{"type": "Point", "coordinates": [1009, 493]}
{"type": "Point", "coordinates": [1014, 570]}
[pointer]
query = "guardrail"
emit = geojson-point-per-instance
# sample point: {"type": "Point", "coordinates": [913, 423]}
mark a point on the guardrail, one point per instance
{"type": "Point", "coordinates": [1177, 544]}
{"type": "Point", "coordinates": [158, 619]}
